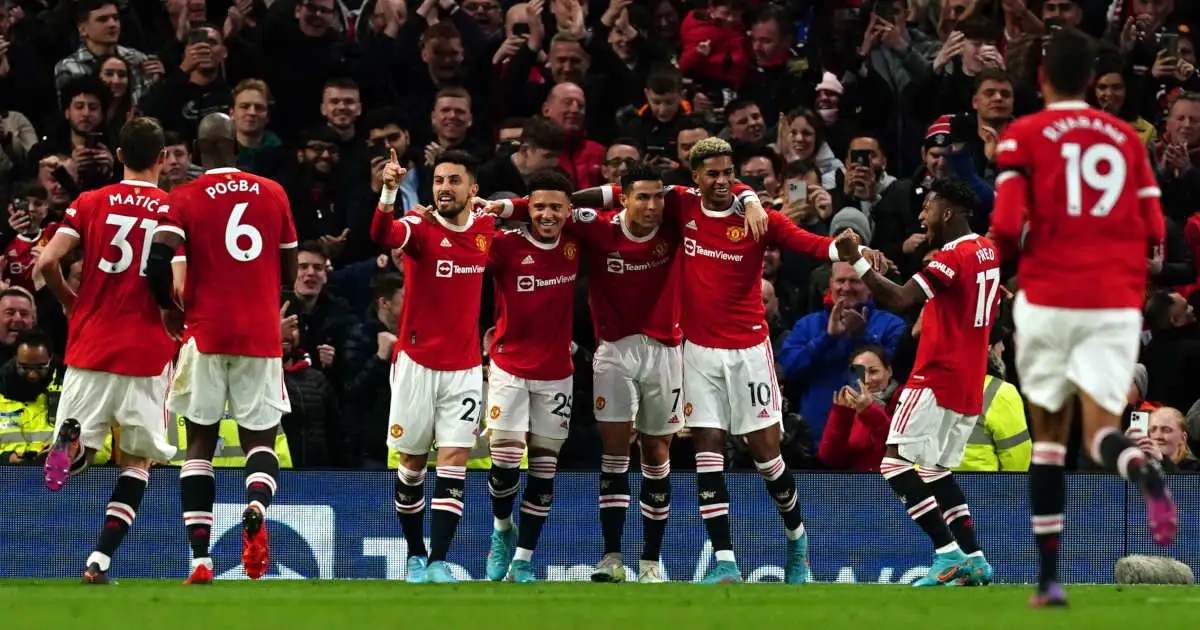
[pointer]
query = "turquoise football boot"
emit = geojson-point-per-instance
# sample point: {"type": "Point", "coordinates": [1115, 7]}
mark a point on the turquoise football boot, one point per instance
{"type": "Point", "coordinates": [500, 553]}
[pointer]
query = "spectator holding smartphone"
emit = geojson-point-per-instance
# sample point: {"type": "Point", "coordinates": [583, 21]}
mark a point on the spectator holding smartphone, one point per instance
{"type": "Point", "coordinates": [858, 422]}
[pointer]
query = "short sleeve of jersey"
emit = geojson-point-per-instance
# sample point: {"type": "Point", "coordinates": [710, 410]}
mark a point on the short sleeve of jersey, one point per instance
{"type": "Point", "coordinates": [939, 274]}
{"type": "Point", "coordinates": [175, 220]}
{"type": "Point", "coordinates": [415, 224]}
{"type": "Point", "coordinates": [75, 216]}
{"type": "Point", "coordinates": [1012, 154]}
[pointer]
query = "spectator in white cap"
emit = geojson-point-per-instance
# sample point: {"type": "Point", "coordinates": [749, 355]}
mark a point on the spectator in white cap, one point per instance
{"type": "Point", "coordinates": [838, 128]}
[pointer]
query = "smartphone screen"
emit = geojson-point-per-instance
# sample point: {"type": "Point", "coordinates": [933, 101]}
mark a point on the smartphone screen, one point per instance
{"type": "Point", "coordinates": [1170, 44]}
{"type": "Point", "coordinates": [858, 373]}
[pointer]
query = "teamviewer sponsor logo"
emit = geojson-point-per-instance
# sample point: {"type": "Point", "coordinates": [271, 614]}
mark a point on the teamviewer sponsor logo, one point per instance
{"type": "Point", "coordinates": [692, 248]}
{"type": "Point", "coordinates": [615, 265]}
{"type": "Point", "coordinates": [445, 268]}
{"type": "Point", "coordinates": [525, 284]}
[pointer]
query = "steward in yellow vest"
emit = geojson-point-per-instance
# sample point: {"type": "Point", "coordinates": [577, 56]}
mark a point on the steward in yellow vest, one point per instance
{"type": "Point", "coordinates": [26, 427]}
{"type": "Point", "coordinates": [1000, 441]}
{"type": "Point", "coordinates": [229, 453]}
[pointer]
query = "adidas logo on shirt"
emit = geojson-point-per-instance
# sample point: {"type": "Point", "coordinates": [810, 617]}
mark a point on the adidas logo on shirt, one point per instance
{"type": "Point", "coordinates": [692, 225]}
{"type": "Point", "coordinates": [764, 414]}
{"type": "Point", "coordinates": [528, 260]}
{"type": "Point", "coordinates": [445, 242]}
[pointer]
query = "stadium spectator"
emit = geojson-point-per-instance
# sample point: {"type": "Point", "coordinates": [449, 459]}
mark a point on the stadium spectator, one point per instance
{"type": "Point", "coordinates": [179, 168]}
{"type": "Point", "coordinates": [99, 28]}
{"type": "Point", "coordinates": [314, 429]}
{"type": "Point", "coordinates": [17, 314]}
{"type": "Point", "coordinates": [368, 394]}
{"type": "Point", "coordinates": [330, 329]}
{"type": "Point", "coordinates": [1166, 441]}
{"type": "Point", "coordinates": [1173, 352]}
{"type": "Point", "coordinates": [861, 414]}
{"type": "Point", "coordinates": [541, 144]}
{"type": "Point", "coordinates": [1000, 441]}
{"type": "Point", "coordinates": [817, 354]}
{"type": "Point", "coordinates": [29, 383]}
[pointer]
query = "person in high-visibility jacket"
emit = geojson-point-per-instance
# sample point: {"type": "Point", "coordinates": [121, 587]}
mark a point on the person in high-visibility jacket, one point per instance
{"type": "Point", "coordinates": [1000, 441]}
{"type": "Point", "coordinates": [229, 453]}
{"type": "Point", "coordinates": [26, 427]}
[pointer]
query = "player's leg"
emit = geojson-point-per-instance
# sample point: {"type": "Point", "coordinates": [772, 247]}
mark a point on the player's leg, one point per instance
{"type": "Point", "coordinates": [1102, 366]}
{"type": "Point", "coordinates": [118, 517]}
{"type": "Point", "coordinates": [137, 402]}
{"type": "Point", "coordinates": [257, 400]}
{"type": "Point", "coordinates": [410, 433]}
{"type": "Point", "coordinates": [549, 425]}
{"type": "Point", "coordinates": [83, 421]}
{"type": "Point", "coordinates": [459, 397]}
{"type": "Point", "coordinates": [508, 423]}
{"type": "Point", "coordinates": [1047, 491]}
{"type": "Point", "coordinates": [615, 403]}
{"type": "Point", "coordinates": [706, 411]}
{"type": "Point", "coordinates": [197, 394]}
{"type": "Point", "coordinates": [953, 503]}
{"type": "Point", "coordinates": [914, 438]}
{"type": "Point", "coordinates": [757, 414]}
{"type": "Point", "coordinates": [1043, 349]}
{"type": "Point", "coordinates": [659, 417]}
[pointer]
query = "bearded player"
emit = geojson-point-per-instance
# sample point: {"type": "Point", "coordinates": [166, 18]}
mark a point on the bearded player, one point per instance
{"type": "Point", "coordinates": [240, 243]}
{"type": "Point", "coordinates": [1077, 198]}
{"type": "Point", "coordinates": [530, 380]}
{"type": "Point", "coordinates": [118, 355]}
{"type": "Point", "coordinates": [437, 375]}
{"type": "Point", "coordinates": [633, 290]}
{"type": "Point", "coordinates": [941, 402]}
{"type": "Point", "coordinates": [729, 380]}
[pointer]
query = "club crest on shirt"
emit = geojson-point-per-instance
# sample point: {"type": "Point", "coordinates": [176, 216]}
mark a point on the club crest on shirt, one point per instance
{"type": "Point", "coordinates": [600, 402]}
{"type": "Point", "coordinates": [570, 250]}
{"type": "Point", "coordinates": [494, 412]}
{"type": "Point", "coordinates": [735, 233]}
{"type": "Point", "coordinates": [481, 242]}
{"type": "Point", "coordinates": [396, 431]}
{"type": "Point", "coordinates": [660, 249]}
{"type": "Point", "coordinates": [687, 410]}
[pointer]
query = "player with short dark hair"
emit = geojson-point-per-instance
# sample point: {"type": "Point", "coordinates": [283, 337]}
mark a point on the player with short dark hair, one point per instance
{"type": "Point", "coordinates": [236, 229]}
{"type": "Point", "coordinates": [729, 382]}
{"type": "Point", "coordinates": [530, 382]}
{"type": "Point", "coordinates": [118, 355]}
{"type": "Point", "coordinates": [941, 403]}
{"type": "Point", "coordinates": [1077, 198]}
{"type": "Point", "coordinates": [437, 375]}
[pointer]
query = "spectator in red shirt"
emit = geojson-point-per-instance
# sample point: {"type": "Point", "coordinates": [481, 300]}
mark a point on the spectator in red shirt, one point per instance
{"type": "Point", "coordinates": [584, 159]}
{"type": "Point", "coordinates": [858, 422]}
{"type": "Point", "coordinates": [714, 50]}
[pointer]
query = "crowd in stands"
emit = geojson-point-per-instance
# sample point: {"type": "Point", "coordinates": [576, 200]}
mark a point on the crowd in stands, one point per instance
{"type": "Point", "coordinates": [841, 113]}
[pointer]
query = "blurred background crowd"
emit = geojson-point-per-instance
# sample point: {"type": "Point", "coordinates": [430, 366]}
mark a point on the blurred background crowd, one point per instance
{"type": "Point", "coordinates": [841, 113]}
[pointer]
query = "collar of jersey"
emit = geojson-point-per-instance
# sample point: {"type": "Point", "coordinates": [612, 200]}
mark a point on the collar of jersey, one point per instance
{"type": "Point", "coordinates": [1068, 105]}
{"type": "Point", "coordinates": [137, 182]}
{"type": "Point", "coordinates": [719, 213]}
{"type": "Point", "coordinates": [629, 235]}
{"type": "Point", "coordinates": [455, 228]}
{"type": "Point", "coordinates": [525, 231]}
{"type": "Point", "coordinates": [221, 171]}
{"type": "Point", "coordinates": [961, 239]}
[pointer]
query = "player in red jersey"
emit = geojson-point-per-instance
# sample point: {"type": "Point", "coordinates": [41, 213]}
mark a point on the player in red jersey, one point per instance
{"type": "Point", "coordinates": [237, 231]}
{"type": "Point", "coordinates": [118, 355]}
{"type": "Point", "coordinates": [1079, 183]}
{"type": "Point", "coordinates": [637, 371]}
{"type": "Point", "coordinates": [943, 398]}
{"type": "Point", "coordinates": [729, 374]}
{"type": "Point", "coordinates": [529, 381]}
{"type": "Point", "coordinates": [437, 378]}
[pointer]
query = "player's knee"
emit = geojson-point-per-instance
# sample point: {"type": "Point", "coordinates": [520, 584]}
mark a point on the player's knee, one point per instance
{"type": "Point", "coordinates": [506, 438]}
{"type": "Point", "coordinates": [930, 474]}
{"type": "Point", "coordinates": [453, 456]}
{"type": "Point", "coordinates": [616, 437]}
{"type": "Point", "coordinates": [410, 476]}
{"type": "Point", "coordinates": [656, 450]}
{"type": "Point", "coordinates": [708, 440]}
{"type": "Point", "coordinates": [507, 449]}
{"type": "Point", "coordinates": [407, 460]}
{"type": "Point", "coordinates": [132, 461]}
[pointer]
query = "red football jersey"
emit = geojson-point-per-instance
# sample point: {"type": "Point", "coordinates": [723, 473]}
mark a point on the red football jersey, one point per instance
{"type": "Point", "coordinates": [443, 281]}
{"type": "Point", "coordinates": [722, 268]}
{"type": "Point", "coordinates": [1079, 180]}
{"type": "Point", "coordinates": [18, 257]}
{"type": "Point", "coordinates": [115, 326]}
{"type": "Point", "coordinates": [633, 282]}
{"type": "Point", "coordinates": [962, 283]}
{"type": "Point", "coordinates": [233, 224]}
{"type": "Point", "coordinates": [535, 303]}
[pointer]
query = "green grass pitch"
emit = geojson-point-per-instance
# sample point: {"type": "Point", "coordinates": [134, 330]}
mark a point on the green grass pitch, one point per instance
{"type": "Point", "coordinates": [330, 605]}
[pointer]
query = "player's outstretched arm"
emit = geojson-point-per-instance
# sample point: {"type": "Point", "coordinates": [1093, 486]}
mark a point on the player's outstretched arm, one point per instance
{"type": "Point", "coordinates": [49, 266]}
{"type": "Point", "coordinates": [602, 197]}
{"type": "Point", "coordinates": [885, 292]}
{"type": "Point", "coordinates": [385, 229]}
{"type": "Point", "coordinates": [159, 274]}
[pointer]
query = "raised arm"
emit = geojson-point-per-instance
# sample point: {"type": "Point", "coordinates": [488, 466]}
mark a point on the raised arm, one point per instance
{"type": "Point", "coordinates": [385, 229]}
{"type": "Point", "coordinates": [602, 197]}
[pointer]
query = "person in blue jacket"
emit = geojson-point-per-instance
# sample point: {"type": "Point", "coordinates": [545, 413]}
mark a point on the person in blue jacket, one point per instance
{"type": "Point", "coordinates": [816, 355]}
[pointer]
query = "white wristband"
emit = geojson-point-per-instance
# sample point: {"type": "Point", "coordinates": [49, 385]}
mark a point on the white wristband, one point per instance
{"type": "Point", "coordinates": [387, 196]}
{"type": "Point", "coordinates": [862, 266]}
